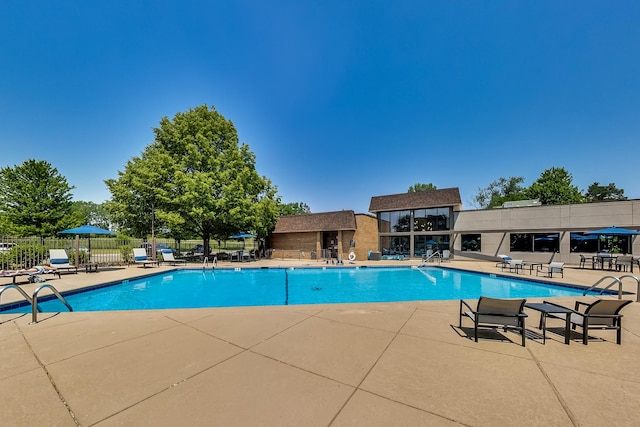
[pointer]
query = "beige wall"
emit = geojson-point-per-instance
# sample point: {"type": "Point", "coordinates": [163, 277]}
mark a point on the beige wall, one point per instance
{"type": "Point", "coordinates": [366, 236]}
{"type": "Point", "coordinates": [300, 245]}
{"type": "Point", "coordinates": [495, 225]}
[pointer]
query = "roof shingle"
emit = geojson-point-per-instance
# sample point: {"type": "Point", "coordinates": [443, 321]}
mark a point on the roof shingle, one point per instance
{"type": "Point", "coordinates": [417, 200]}
{"type": "Point", "coordinates": [324, 221]}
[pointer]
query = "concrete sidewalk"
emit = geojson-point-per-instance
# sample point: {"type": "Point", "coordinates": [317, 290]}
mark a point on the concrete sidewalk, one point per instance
{"type": "Point", "coordinates": [316, 365]}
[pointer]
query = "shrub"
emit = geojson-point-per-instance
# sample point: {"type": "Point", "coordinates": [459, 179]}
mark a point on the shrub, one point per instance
{"type": "Point", "coordinates": [126, 252]}
{"type": "Point", "coordinates": [26, 256]}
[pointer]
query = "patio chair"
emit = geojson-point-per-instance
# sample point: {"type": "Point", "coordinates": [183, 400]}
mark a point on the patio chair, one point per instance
{"type": "Point", "coordinates": [495, 313]}
{"type": "Point", "coordinates": [140, 257]}
{"type": "Point", "coordinates": [167, 256]}
{"type": "Point", "coordinates": [514, 265]}
{"type": "Point", "coordinates": [622, 262]}
{"type": "Point", "coordinates": [601, 314]}
{"type": "Point", "coordinates": [32, 273]}
{"type": "Point", "coordinates": [553, 267]}
{"type": "Point", "coordinates": [504, 261]}
{"type": "Point", "coordinates": [59, 259]}
{"type": "Point", "coordinates": [446, 255]}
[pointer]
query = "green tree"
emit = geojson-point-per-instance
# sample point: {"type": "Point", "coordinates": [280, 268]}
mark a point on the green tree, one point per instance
{"type": "Point", "coordinates": [421, 187]}
{"type": "Point", "coordinates": [500, 191]}
{"type": "Point", "coordinates": [34, 198]}
{"type": "Point", "coordinates": [195, 179]}
{"type": "Point", "coordinates": [90, 213]}
{"type": "Point", "coordinates": [602, 193]}
{"type": "Point", "coordinates": [293, 208]}
{"type": "Point", "coordinates": [555, 187]}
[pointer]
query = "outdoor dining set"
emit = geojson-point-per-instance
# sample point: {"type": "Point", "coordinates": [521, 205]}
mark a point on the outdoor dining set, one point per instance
{"type": "Point", "coordinates": [610, 261]}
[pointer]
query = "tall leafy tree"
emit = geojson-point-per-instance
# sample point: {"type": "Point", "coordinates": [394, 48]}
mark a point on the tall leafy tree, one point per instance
{"type": "Point", "coordinates": [195, 179]}
{"type": "Point", "coordinates": [90, 213]}
{"type": "Point", "coordinates": [293, 208]}
{"type": "Point", "coordinates": [34, 198]}
{"type": "Point", "coordinates": [421, 187]}
{"type": "Point", "coordinates": [602, 193]}
{"type": "Point", "coordinates": [500, 191]}
{"type": "Point", "coordinates": [555, 187]}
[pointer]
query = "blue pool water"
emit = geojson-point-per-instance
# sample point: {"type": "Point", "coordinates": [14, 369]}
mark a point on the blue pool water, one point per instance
{"type": "Point", "coordinates": [253, 287]}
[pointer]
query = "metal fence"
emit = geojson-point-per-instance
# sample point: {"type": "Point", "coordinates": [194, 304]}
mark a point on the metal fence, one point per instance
{"type": "Point", "coordinates": [26, 252]}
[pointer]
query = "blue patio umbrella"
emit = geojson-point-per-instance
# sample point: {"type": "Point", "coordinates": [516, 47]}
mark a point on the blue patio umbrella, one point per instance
{"type": "Point", "coordinates": [87, 230]}
{"type": "Point", "coordinates": [614, 231]}
{"type": "Point", "coordinates": [580, 237]}
{"type": "Point", "coordinates": [242, 236]}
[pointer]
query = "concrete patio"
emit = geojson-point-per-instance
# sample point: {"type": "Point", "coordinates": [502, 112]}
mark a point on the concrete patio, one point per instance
{"type": "Point", "coordinates": [314, 365]}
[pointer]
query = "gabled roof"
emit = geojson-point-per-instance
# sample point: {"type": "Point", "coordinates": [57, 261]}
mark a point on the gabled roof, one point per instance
{"type": "Point", "coordinates": [324, 221]}
{"type": "Point", "coordinates": [417, 200]}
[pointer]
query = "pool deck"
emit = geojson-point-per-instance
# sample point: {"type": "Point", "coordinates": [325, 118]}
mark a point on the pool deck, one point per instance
{"type": "Point", "coordinates": [401, 364]}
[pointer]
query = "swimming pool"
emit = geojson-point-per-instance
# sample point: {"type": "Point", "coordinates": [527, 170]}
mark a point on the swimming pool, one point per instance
{"type": "Point", "coordinates": [186, 288]}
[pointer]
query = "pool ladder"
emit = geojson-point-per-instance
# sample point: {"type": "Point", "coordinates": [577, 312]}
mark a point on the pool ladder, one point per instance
{"type": "Point", "coordinates": [33, 300]}
{"type": "Point", "coordinates": [214, 262]}
{"type": "Point", "coordinates": [615, 280]}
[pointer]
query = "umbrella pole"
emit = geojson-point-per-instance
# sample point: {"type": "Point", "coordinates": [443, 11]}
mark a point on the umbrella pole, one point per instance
{"type": "Point", "coordinates": [77, 257]}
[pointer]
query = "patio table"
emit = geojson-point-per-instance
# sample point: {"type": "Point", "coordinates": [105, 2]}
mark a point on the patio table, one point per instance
{"type": "Point", "coordinates": [545, 309]}
{"type": "Point", "coordinates": [531, 265]}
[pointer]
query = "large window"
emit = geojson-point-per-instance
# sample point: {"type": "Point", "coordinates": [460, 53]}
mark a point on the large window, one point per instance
{"type": "Point", "coordinates": [583, 242]}
{"type": "Point", "coordinates": [395, 245]}
{"type": "Point", "coordinates": [532, 242]}
{"type": "Point", "coordinates": [472, 242]}
{"type": "Point", "coordinates": [436, 219]}
{"type": "Point", "coordinates": [395, 222]}
{"type": "Point", "coordinates": [423, 243]}
{"type": "Point", "coordinates": [600, 243]}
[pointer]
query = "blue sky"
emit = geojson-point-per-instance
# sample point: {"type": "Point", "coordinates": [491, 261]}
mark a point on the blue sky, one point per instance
{"type": "Point", "coordinates": [339, 100]}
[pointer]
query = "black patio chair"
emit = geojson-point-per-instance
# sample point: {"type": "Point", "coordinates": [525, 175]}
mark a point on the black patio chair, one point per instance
{"type": "Point", "coordinates": [495, 313]}
{"type": "Point", "coordinates": [601, 314]}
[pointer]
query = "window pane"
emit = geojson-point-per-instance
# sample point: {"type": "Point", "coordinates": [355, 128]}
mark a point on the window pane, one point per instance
{"type": "Point", "coordinates": [546, 242]}
{"type": "Point", "coordinates": [521, 242]}
{"type": "Point", "coordinates": [471, 242]}
{"type": "Point", "coordinates": [580, 242]}
{"type": "Point", "coordinates": [385, 222]}
{"type": "Point", "coordinates": [400, 221]}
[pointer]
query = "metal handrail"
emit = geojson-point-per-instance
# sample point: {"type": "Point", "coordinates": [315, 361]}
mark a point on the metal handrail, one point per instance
{"type": "Point", "coordinates": [631, 276]}
{"type": "Point", "coordinates": [615, 279]}
{"type": "Point", "coordinates": [24, 294]}
{"type": "Point", "coordinates": [435, 255]}
{"type": "Point", "coordinates": [34, 303]}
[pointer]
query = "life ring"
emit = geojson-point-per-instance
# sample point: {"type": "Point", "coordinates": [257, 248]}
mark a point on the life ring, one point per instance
{"type": "Point", "coordinates": [352, 256]}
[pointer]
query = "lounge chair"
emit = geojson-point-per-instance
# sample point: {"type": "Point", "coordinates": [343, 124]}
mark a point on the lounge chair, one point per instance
{"type": "Point", "coordinates": [514, 265]}
{"type": "Point", "coordinates": [601, 314]}
{"type": "Point", "coordinates": [446, 255]}
{"type": "Point", "coordinates": [167, 256]}
{"type": "Point", "coordinates": [495, 313]}
{"type": "Point", "coordinates": [140, 257]}
{"type": "Point", "coordinates": [553, 267]}
{"type": "Point", "coordinates": [59, 259]}
{"type": "Point", "coordinates": [504, 261]}
{"type": "Point", "coordinates": [32, 273]}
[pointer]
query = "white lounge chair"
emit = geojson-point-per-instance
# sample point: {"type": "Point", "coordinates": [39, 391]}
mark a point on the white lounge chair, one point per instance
{"type": "Point", "coordinates": [167, 256]}
{"type": "Point", "coordinates": [553, 267]}
{"type": "Point", "coordinates": [32, 273]}
{"type": "Point", "coordinates": [140, 257]}
{"type": "Point", "coordinates": [59, 259]}
{"type": "Point", "coordinates": [446, 255]}
{"type": "Point", "coordinates": [504, 261]}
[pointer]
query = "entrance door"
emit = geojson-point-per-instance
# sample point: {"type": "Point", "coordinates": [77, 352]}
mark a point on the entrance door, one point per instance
{"type": "Point", "coordinates": [330, 244]}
